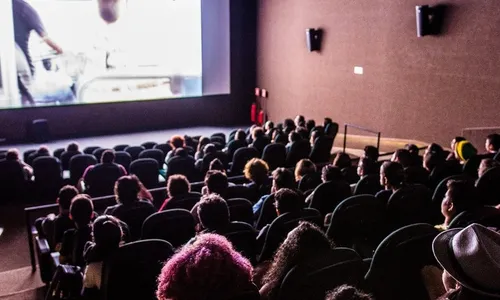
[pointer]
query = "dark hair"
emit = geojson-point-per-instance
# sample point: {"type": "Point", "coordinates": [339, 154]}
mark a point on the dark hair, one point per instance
{"type": "Point", "coordinates": [394, 173]}
{"type": "Point", "coordinates": [316, 133]}
{"type": "Point", "coordinates": [463, 194]}
{"type": "Point", "coordinates": [81, 210]}
{"type": "Point", "coordinates": [371, 152]}
{"type": "Point", "coordinates": [107, 232]}
{"type": "Point", "coordinates": [310, 124]}
{"type": "Point", "coordinates": [294, 136]}
{"type": "Point", "coordinates": [403, 156]}
{"type": "Point", "coordinates": [301, 121]}
{"type": "Point", "coordinates": [209, 149]}
{"type": "Point", "coordinates": [108, 156]}
{"type": "Point", "coordinates": [256, 170]}
{"type": "Point", "coordinates": [346, 292]}
{"type": "Point", "coordinates": [177, 141]}
{"type": "Point", "coordinates": [12, 154]}
{"type": "Point", "coordinates": [327, 121]}
{"type": "Point", "coordinates": [342, 160]}
{"type": "Point", "coordinates": [178, 185]}
{"type": "Point", "coordinates": [127, 189]}
{"type": "Point", "coordinates": [240, 135]}
{"type": "Point", "coordinates": [432, 160]}
{"type": "Point", "coordinates": [303, 132]}
{"type": "Point", "coordinates": [412, 148]}
{"type": "Point", "coordinates": [43, 149]}
{"type": "Point", "coordinates": [283, 178]}
{"type": "Point", "coordinates": [305, 242]}
{"type": "Point", "coordinates": [269, 125]}
{"type": "Point", "coordinates": [257, 133]}
{"type": "Point", "coordinates": [369, 166]}
{"type": "Point", "coordinates": [216, 164]}
{"type": "Point", "coordinates": [494, 140]}
{"type": "Point", "coordinates": [66, 194]}
{"type": "Point", "coordinates": [331, 173]}
{"type": "Point", "coordinates": [289, 125]}
{"type": "Point", "coordinates": [304, 167]}
{"type": "Point", "coordinates": [181, 152]}
{"type": "Point", "coordinates": [436, 149]}
{"type": "Point", "coordinates": [203, 141]}
{"type": "Point", "coordinates": [216, 182]}
{"type": "Point", "coordinates": [209, 268]}
{"type": "Point", "coordinates": [213, 212]}
{"type": "Point", "coordinates": [72, 147]}
{"type": "Point", "coordinates": [287, 200]}
{"type": "Point", "coordinates": [458, 139]}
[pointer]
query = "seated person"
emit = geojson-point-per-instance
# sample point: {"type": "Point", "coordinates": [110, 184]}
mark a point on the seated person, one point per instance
{"type": "Point", "coordinates": [107, 233]}
{"type": "Point", "coordinates": [464, 150]}
{"type": "Point", "coordinates": [130, 193]}
{"type": "Point", "coordinates": [292, 138]}
{"type": "Point", "coordinates": [256, 170]}
{"type": "Point", "coordinates": [71, 150]}
{"type": "Point", "coordinates": [304, 167]}
{"type": "Point", "coordinates": [391, 178]}
{"type": "Point", "coordinates": [259, 140]}
{"type": "Point", "coordinates": [492, 145]}
{"type": "Point", "coordinates": [415, 159]}
{"type": "Point", "coordinates": [342, 160]}
{"type": "Point", "coordinates": [315, 134]}
{"type": "Point", "coordinates": [371, 152]}
{"type": "Point", "coordinates": [238, 142]}
{"type": "Point", "coordinates": [269, 129]}
{"type": "Point", "coordinates": [366, 167]}
{"type": "Point", "coordinates": [282, 178]}
{"type": "Point", "coordinates": [215, 183]}
{"type": "Point", "coordinates": [300, 121]}
{"type": "Point", "coordinates": [415, 174]}
{"type": "Point", "coordinates": [199, 149]}
{"type": "Point", "coordinates": [286, 201]}
{"type": "Point", "coordinates": [452, 155]}
{"type": "Point", "coordinates": [403, 157]}
{"type": "Point", "coordinates": [485, 165]}
{"type": "Point", "coordinates": [208, 268]}
{"type": "Point", "coordinates": [213, 214]}
{"type": "Point", "coordinates": [13, 155]}
{"type": "Point", "coordinates": [303, 132]}
{"type": "Point", "coordinates": [460, 197]}
{"type": "Point", "coordinates": [177, 185]}
{"type": "Point", "coordinates": [176, 142]}
{"type": "Point", "coordinates": [346, 292]}
{"type": "Point", "coordinates": [288, 126]}
{"type": "Point", "coordinates": [208, 149]}
{"type": "Point", "coordinates": [74, 240]}
{"type": "Point", "coordinates": [93, 174]}
{"type": "Point", "coordinates": [310, 124]}
{"type": "Point", "coordinates": [42, 151]}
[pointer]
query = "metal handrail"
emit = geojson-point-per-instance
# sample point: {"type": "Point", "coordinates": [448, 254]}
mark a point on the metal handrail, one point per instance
{"type": "Point", "coordinates": [346, 125]}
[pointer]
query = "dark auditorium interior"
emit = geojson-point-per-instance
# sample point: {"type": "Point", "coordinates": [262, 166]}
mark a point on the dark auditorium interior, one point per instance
{"type": "Point", "coordinates": [355, 156]}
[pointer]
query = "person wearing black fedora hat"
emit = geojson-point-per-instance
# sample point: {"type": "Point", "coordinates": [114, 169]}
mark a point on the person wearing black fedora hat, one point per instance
{"type": "Point", "coordinates": [470, 258]}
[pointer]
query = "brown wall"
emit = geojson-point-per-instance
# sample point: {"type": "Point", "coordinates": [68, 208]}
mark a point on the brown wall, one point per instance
{"type": "Point", "coordinates": [423, 88]}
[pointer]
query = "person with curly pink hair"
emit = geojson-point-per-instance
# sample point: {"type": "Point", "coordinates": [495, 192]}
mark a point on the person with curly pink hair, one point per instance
{"type": "Point", "coordinates": [207, 269]}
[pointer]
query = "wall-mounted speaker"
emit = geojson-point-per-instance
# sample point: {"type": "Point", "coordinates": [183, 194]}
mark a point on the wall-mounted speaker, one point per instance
{"type": "Point", "coordinates": [423, 14]}
{"type": "Point", "coordinates": [313, 39]}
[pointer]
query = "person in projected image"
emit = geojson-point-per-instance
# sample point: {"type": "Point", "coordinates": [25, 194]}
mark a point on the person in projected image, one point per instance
{"type": "Point", "coordinates": [26, 19]}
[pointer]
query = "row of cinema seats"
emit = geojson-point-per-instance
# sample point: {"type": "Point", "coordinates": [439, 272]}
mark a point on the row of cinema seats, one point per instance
{"type": "Point", "coordinates": [147, 162]}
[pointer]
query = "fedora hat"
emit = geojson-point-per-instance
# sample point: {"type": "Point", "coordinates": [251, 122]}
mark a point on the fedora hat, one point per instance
{"type": "Point", "coordinates": [472, 257]}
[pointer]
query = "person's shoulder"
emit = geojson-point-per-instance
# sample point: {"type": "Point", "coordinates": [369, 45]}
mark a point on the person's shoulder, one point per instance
{"type": "Point", "coordinates": [111, 209]}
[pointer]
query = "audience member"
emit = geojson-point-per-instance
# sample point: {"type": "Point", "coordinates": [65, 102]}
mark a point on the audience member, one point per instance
{"type": "Point", "coordinates": [130, 194]}
{"type": "Point", "coordinates": [74, 240]}
{"type": "Point", "coordinates": [42, 151]}
{"type": "Point", "coordinates": [256, 170]}
{"type": "Point", "coordinates": [269, 128]}
{"type": "Point", "coordinates": [215, 183]}
{"type": "Point", "coordinates": [107, 234]}
{"type": "Point", "coordinates": [238, 142]}
{"type": "Point", "coordinates": [391, 178]}
{"type": "Point", "coordinates": [415, 158]}
{"type": "Point", "coordinates": [93, 174]}
{"type": "Point", "coordinates": [453, 144]}
{"type": "Point", "coordinates": [485, 165]}
{"type": "Point", "coordinates": [217, 165]}
{"type": "Point", "coordinates": [177, 185]}
{"type": "Point", "coordinates": [288, 126]}
{"type": "Point", "coordinates": [260, 140]}
{"type": "Point", "coordinates": [176, 142]}
{"type": "Point", "coordinates": [304, 167]}
{"type": "Point", "coordinates": [280, 137]}
{"type": "Point", "coordinates": [62, 221]}
{"type": "Point", "coordinates": [403, 157]}
{"type": "Point", "coordinates": [71, 150]}
{"type": "Point", "coordinates": [492, 144]}
{"type": "Point", "coordinates": [300, 121]}
{"type": "Point", "coordinates": [208, 149]}
{"type": "Point", "coordinates": [201, 145]}
{"type": "Point", "coordinates": [249, 134]}
{"type": "Point", "coordinates": [464, 150]}
{"type": "Point", "coordinates": [346, 292]}
{"type": "Point", "coordinates": [315, 134]}
{"type": "Point", "coordinates": [282, 178]}
{"type": "Point", "coordinates": [460, 197]}
{"type": "Point", "coordinates": [367, 166]}
{"type": "Point", "coordinates": [470, 259]}
{"type": "Point", "coordinates": [213, 213]}
{"type": "Point", "coordinates": [209, 268]}
{"type": "Point", "coordinates": [306, 244]}
{"type": "Point", "coordinates": [327, 121]}
{"type": "Point", "coordinates": [331, 173]}
{"type": "Point", "coordinates": [292, 138]}
{"type": "Point", "coordinates": [310, 124]}
{"type": "Point", "coordinates": [303, 132]}
{"type": "Point", "coordinates": [371, 152]}
{"type": "Point", "coordinates": [13, 155]}
{"type": "Point", "coordinates": [342, 160]}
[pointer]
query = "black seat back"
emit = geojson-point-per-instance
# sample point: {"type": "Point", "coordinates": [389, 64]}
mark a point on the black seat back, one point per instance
{"type": "Point", "coordinates": [208, 158]}
{"type": "Point", "coordinates": [182, 165]}
{"type": "Point", "coordinates": [12, 181]}
{"type": "Point", "coordinates": [134, 218]}
{"type": "Point", "coordinates": [66, 157]}
{"type": "Point", "coordinates": [359, 222]}
{"type": "Point", "coordinates": [299, 150]}
{"type": "Point", "coordinates": [243, 237]}
{"type": "Point", "coordinates": [332, 129]}
{"type": "Point", "coordinates": [165, 148]}
{"type": "Point", "coordinates": [146, 169]}
{"type": "Point", "coordinates": [488, 187]}
{"type": "Point", "coordinates": [471, 165]}
{"type": "Point", "coordinates": [155, 154]}
{"type": "Point", "coordinates": [187, 201]}
{"type": "Point", "coordinates": [240, 158]}
{"type": "Point", "coordinates": [149, 145]}
{"type": "Point", "coordinates": [328, 195]}
{"type": "Point", "coordinates": [120, 147]}
{"type": "Point", "coordinates": [369, 184]}
{"type": "Point", "coordinates": [134, 151]}
{"type": "Point", "coordinates": [398, 261]}
{"type": "Point", "coordinates": [241, 191]}
{"type": "Point", "coordinates": [177, 226]}
{"type": "Point", "coordinates": [123, 158]}
{"type": "Point", "coordinates": [309, 182]}
{"type": "Point", "coordinates": [58, 152]}
{"type": "Point", "coordinates": [409, 205]}
{"type": "Point", "coordinates": [78, 164]}
{"type": "Point", "coordinates": [267, 213]}
{"type": "Point", "coordinates": [131, 273]}
{"type": "Point", "coordinates": [48, 176]}
{"type": "Point", "coordinates": [101, 179]}
{"type": "Point", "coordinates": [350, 174]}
{"type": "Point", "coordinates": [240, 209]}
{"type": "Point", "coordinates": [90, 149]}
{"type": "Point", "coordinates": [487, 216]}
{"type": "Point", "coordinates": [438, 196]}
{"type": "Point", "coordinates": [274, 155]}
{"type": "Point", "coordinates": [321, 150]}
{"type": "Point", "coordinates": [98, 153]}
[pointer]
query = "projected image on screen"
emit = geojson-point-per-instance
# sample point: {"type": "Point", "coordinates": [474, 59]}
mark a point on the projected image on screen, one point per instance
{"type": "Point", "coordinates": [93, 51]}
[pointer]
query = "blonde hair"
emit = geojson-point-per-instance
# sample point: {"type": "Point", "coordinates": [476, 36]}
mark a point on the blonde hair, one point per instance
{"type": "Point", "coordinates": [303, 167]}
{"type": "Point", "coordinates": [256, 169]}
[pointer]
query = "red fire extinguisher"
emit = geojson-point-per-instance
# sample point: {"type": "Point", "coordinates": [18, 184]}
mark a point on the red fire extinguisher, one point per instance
{"type": "Point", "coordinates": [260, 119]}
{"type": "Point", "coordinates": [253, 112]}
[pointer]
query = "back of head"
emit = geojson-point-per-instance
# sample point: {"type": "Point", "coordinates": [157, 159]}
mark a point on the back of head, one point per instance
{"type": "Point", "coordinates": [371, 152]}
{"type": "Point", "coordinates": [209, 149]}
{"type": "Point", "coordinates": [310, 124]}
{"type": "Point", "coordinates": [43, 149]}
{"type": "Point", "coordinates": [240, 135]}
{"type": "Point", "coordinates": [403, 157]}
{"type": "Point", "coordinates": [494, 142]}
{"type": "Point", "coordinates": [283, 178]}
{"type": "Point", "coordinates": [412, 148]}
{"type": "Point", "coordinates": [108, 157]}
{"type": "Point", "coordinates": [185, 275]}
{"type": "Point", "coordinates": [294, 136]}
{"type": "Point", "coordinates": [216, 182]}
{"type": "Point", "coordinates": [127, 189]}
{"type": "Point", "coordinates": [178, 185]}
{"type": "Point", "coordinates": [432, 160]}
{"type": "Point", "coordinates": [345, 292]}
{"type": "Point", "coordinates": [327, 121]}
{"type": "Point", "coordinates": [287, 200]}
{"type": "Point", "coordinates": [303, 132]}
{"type": "Point", "coordinates": [256, 170]}
{"type": "Point", "coordinates": [203, 141]}
{"type": "Point", "coordinates": [485, 165]}
{"type": "Point", "coordinates": [368, 166]}
{"type": "Point", "coordinates": [462, 194]}
{"type": "Point", "coordinates": [300, 121]}
{"type": "Point", "coordinates": [72, 147]}
{"type": "Point", "coordinates": [331, 173]}
{"type": "Point", "coordinates": [393, 173]}
{"type": "Point", "coordinates": [181, 152]}
{"type": "Point", "coordinates": [269, 125]}
{"type": "Point", "coordinates": [81, 210]}
{"type": "Point", "coordinates": [12, 155]}
{"type": "Point", "coordinates": [342, 160]}
{"type": "Point", "coordinates": [107, 232]}
{"type": "Point", "coordinates": [435, 148]}
{"type": "Point", "coordinates": [257, 133]}
{"type": "Point", "coordinates": [213, 212]}
{"type": "Point", "coordinates": [177, 141]}
{"type": "Point", "coordinates": [304, 166]}
{"type": "Point", "coordinates": [216, 164]}
{"type": "Point", "coordinates": [288, 125]}
{"type": "Point", "coordinates": [66, 194]}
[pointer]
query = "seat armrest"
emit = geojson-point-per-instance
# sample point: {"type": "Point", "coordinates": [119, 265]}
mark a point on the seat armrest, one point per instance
{"type": "Point", "coordinates": [54, 256]}
{"type": "Point", "coordinates": [43, 245]}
